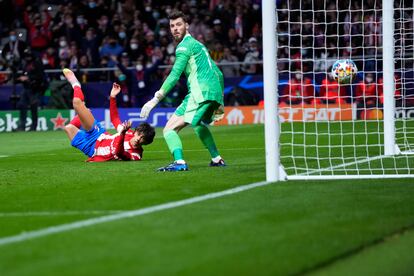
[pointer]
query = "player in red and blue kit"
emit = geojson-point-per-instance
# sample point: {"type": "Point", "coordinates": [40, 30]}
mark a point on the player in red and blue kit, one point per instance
{"type": "Point", "coordinates": [87, 135]}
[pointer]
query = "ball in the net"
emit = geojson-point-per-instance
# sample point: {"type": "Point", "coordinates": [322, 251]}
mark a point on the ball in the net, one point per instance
{"type": "Point", "coordinates": [344, 71]}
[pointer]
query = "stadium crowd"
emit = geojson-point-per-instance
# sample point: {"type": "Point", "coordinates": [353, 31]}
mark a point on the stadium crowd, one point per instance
{"type": "Point", "coordinates": [102, 33]}
{"type": "Point", "coordinates": [124, 34]}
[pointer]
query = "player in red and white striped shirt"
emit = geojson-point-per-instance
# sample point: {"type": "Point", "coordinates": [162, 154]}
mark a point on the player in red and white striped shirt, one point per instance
{"type": "Point", "coordinates": [87, 135]}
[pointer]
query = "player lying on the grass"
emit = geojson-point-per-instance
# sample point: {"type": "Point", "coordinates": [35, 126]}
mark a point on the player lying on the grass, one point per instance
{"type": "Point", "coordinates": [87, 135]}
{"type": "Point", "coordinates": [204, 101]}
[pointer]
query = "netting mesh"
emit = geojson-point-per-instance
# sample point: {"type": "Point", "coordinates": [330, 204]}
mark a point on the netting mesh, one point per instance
{"type": "Point", "coordinates": [404, 53]}
{"type": "Point", "coordinates": [333, 129]}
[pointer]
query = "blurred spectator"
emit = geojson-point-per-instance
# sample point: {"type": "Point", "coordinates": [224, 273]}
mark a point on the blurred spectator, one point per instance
{"type": "Point", "coordinates": [397, 93]}
{"type": "Point", "coordinates": [120, 32]}
{"type": "Point", "coordinates": [68, 29]}
{"type": "Point", "coordinates": [197, 27]}
{"type": "Point", "coordinates": [39, 33]}
{"type": "Point", "coordinates": [82, 23]}
{"type": "Point", "coordinates": [3, 76]}
{"type": "Point", "coordinates": [73, 56]}
{"type": "Point", "coordinates": [48, 59]}
{"type": "Point", "coordinates": [234, 43]}
{"type": "Point", "coordinates": [85, 75]}
{"type": "Point", "coordinates": [111, 48]}
{"type": "Point", "coordinates": [298, 90]}
{"type": "Point", "coordinates": [217, 52]}
{"type": "Point", "coordinates": [251, 58]}
{"type": "Point", "coordinates": [105, 75]}
{"type": "Point", "coordinates": [104, 28]}
{"type": "Point", "coordinates": [218, 31]}
{"type": "Point", "coordinates": [331, 92]}
{"type": "Point", "coordinates": [34, 85]}
{"type": "Point", "coordinates": [239, 21]}
{"type": "Point", "coordinates": [239, 96]}
{"type": "Point", "coordinates": [94, 9]}
{"type": "Point", "coordinates": [367, 92]}
{"type": "Point", "coordinates": [134, 26]}
{"type": "Point", "coordinates": [209, 39]}
{"type": "Point", "coordinates": [134, 50]}
{"type": "Point", "coordinates": [90, 46]}
{"type": "Point", "coordinates": [12, 51]}
{"type": "Point", "coordinates": [136, 81]}
{"type": "Point", "coordinates": [63, 50]}
{"type": "Point", "coordinates": [229, 70]}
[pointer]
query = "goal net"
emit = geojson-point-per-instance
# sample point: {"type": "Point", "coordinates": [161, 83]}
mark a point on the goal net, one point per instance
{"type": "Point", "coordinates": [364, 129]}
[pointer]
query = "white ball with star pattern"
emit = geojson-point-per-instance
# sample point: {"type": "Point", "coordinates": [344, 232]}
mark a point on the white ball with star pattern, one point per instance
{"type": "Point", "coordinates": [344, 71]}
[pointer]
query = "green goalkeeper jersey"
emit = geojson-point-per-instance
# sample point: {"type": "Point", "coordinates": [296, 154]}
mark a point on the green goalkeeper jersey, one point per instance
{"type": "Point", "coordinates": [204, 78]}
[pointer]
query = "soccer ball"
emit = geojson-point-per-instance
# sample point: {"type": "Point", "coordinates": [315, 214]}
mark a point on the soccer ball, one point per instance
{"type": "Point", "coordinates": [344, 71]}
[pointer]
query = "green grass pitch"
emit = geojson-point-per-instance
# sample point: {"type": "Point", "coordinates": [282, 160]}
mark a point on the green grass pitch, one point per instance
{"type": "Point", "coordinates": [335, 227]}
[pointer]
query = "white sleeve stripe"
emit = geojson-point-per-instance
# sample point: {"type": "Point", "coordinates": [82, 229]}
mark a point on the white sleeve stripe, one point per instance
{"type": "Point", "coordinates": [134, 154]}
{"type": "Point", "coordinates": [181, 49]}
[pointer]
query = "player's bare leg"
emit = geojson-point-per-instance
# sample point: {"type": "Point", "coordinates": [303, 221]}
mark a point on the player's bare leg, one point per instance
{"type": "Point", "coordinates": [73, 127]}
{"type": "Point", "coordinates": [85, 115]}
{"type": "Point", "coordinates": [71, 131]}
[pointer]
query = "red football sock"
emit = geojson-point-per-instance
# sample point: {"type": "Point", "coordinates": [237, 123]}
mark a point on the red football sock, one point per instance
{"type": "Point", "coordinates": [76, 122]}
{"type": "Point", "coordinates": [77, 93]}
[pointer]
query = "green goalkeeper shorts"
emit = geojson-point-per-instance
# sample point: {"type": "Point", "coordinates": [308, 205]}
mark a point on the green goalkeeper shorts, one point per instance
{"type": "Point", "coordinates": [195, 113]}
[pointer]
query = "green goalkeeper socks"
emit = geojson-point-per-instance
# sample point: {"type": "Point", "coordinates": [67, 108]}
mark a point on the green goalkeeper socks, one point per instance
{"type": "Point", "coordinates": [174, 144]}
{"type": "Point", "coordinates": [205, 136]}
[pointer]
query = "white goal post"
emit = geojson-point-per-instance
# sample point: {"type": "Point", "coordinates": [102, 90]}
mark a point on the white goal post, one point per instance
{"type": "Point", "coordinates": [318, 129]}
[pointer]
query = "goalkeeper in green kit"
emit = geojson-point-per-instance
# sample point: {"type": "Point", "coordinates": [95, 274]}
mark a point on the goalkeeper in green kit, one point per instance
{"type": "Point", "coordinates": [204, 101]}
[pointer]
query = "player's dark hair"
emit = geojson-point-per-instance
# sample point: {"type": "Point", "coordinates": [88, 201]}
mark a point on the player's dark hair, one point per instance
{"type": "Point", "coordinates": [177, 14]}
{"type": "Point", "coordinates": [147, 131]}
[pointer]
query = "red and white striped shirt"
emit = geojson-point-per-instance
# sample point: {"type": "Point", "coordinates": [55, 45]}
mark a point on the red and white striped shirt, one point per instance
{"type": "Point", "coordinates": [108, 146]}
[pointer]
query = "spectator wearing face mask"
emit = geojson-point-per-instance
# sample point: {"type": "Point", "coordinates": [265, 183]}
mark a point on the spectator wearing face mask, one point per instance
{"type": "Point", "coordinates": [82, 23]}
{"type": "Point", "coordinates": [134, 49]}
{"type": "Point", "coordinates": [137, 80]}
{"type": "Point", "coordinates": [63, 50]}
{"type": "Point", "coordinates": [122, 36]}
{"type": "Point", "coordinates": [49, 58]}
{"type": "Point", "coordinates": [12, 51]}
{"type": "Point", "coordinates": [111, 48]}
{"type": "Point", "coordinates": [252, 56]}
{"type": "Point", "coordinates": [92, 10]}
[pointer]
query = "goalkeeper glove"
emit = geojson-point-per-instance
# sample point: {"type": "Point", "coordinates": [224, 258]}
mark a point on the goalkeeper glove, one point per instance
{"type": "Point", "coordinates": [218, 114]}
{"type": "Point", "coordinates": [146, 109]}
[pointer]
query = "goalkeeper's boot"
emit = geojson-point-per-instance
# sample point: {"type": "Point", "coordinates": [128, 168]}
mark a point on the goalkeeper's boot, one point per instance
{"type": "Point", "coordinates": [220, 163]}
{"type": "Point", "coordinates": [174, 167]}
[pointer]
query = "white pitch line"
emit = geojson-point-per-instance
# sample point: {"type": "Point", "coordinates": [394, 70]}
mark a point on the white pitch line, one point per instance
{"type": "Point", "coordinates": [128, 214]}
{"type": "Point", "coordinates": [156, 151]}
{"type": "Point", "coordinates": [344, 165]}
{"type": "Point", "coordinates": [59, 213]}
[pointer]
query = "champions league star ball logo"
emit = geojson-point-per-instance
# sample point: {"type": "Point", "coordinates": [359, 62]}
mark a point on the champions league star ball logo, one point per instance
{"type": "Point", "coordinates": [344, 71]}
